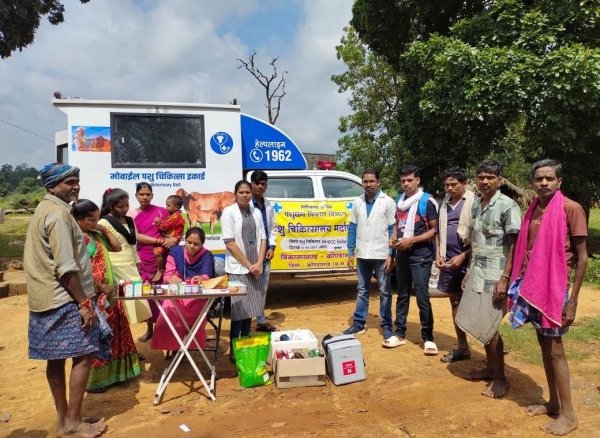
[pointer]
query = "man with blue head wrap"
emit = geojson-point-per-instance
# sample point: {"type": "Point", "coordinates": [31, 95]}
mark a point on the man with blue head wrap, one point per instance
{"type": "Point", "coordinates": [52, 174]}
{"type": "Point", "coordinates": [62, 319]}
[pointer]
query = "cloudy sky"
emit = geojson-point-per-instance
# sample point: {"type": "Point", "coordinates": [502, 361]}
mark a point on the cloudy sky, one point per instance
{"type": "Point", "coordinates": [176, 51]}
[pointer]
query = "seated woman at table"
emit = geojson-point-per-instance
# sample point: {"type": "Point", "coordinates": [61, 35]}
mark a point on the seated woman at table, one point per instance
{"type": "Point", "coordinates": [184, 263]}
{"type": "Point", "coordinates": [245, 242]}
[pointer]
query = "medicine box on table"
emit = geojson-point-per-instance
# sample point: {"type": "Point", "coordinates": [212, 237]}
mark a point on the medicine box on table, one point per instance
{"type": "Point", "coordinates": [290, 373]}
{"type": "Point", "coordinates": [345, 363]}
{"type": "Point", "coordinates": [298, 339]}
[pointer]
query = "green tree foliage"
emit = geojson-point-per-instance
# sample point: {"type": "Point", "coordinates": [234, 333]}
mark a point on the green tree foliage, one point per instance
{"type": "Point", "coordinates": [20, 19]}
{"type": "Point", "coordinates": [389, 27]}
{"type": "Point", "coordinates": [27, 201]}
{"type": "Point", "coordinates": [3, 186]}
{"type": "Point", "coordinates": [28, 185]}
{"type": "Point", "coordinates": [518, 79]}
{"type": "Point", "coordinates": [370, 134]}
{"type": "Point", "coordinates": [14, 176]}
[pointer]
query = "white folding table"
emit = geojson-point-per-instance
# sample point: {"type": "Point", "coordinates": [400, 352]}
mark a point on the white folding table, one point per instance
{"type": "Point", "coordinates": [207, 294]}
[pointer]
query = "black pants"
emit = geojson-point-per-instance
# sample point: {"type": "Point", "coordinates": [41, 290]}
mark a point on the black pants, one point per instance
{"type": "Point", "coordinates": [238, 329]}
{"type": "Point", "coordinates": [409, 273]}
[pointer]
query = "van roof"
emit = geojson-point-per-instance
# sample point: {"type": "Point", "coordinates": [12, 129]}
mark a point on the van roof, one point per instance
{"type": "Point", "coordinates": [74, 102]}
{"type": "Point", "coordinates": [307, 173]}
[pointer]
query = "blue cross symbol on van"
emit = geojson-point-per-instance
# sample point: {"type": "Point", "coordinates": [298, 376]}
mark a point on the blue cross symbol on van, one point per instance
{"type": "Point", "coordinates": [277, 207]}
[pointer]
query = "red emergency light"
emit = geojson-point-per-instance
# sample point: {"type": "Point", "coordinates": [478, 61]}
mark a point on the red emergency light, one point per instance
{"type": "Point", "coordinates": [325, 165]}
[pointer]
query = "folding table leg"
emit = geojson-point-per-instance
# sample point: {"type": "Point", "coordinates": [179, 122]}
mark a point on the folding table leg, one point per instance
{"type": "Point", "coordinates": [219, 323]}
{"type": "Point", "coordinates": [183, 350]}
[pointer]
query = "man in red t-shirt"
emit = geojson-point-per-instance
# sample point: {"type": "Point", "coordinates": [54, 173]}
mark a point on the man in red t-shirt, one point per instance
{"type": "Point", "coordinates": [545, 254]}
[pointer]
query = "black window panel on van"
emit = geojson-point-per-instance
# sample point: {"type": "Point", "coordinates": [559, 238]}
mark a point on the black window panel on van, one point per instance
{"type": "Point", "coordinates": [157, 140]}
{"type": "Point", "coordinates": [290, 188]}
{"type": "Point", "coordinates": [341, 188]}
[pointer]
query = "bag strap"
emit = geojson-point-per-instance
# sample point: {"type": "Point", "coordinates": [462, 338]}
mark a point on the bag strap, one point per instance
{"type": "Point", "coordinates": [423, 205]}
{"type": "Point", "coordinates": [423, 208]}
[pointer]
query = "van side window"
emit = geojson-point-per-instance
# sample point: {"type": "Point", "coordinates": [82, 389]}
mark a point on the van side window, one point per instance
{"type": "Point", "coordinates": [341, 188]}
{"type": "Point", "coordinates": [294, 187]}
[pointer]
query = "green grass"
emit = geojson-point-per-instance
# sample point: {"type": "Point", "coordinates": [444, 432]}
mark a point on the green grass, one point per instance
{"type": "Point", "coordinates": [12, 235]}
{"type": "Point", "coordinates": [594, 225]}
{"type": "Point", "coordinates": [522, 342]}
{"type": "Point", "coordinates": [593, 269]}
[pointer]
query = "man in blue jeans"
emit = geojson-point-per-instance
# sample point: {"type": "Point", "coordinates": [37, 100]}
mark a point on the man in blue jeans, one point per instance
{"type": "Point", "coordinates": [371, 224]}
{"type": "Point", "coordinates": [416, 219]}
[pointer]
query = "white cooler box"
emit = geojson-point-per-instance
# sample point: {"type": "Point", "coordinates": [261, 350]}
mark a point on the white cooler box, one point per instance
{"type": "Point", "coordinates": [345, 363]}
{"type": "Point", "coordinates": [299, 339]}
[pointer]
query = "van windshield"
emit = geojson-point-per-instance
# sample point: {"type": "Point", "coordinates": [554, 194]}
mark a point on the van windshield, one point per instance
{"type": "Point", "coordinates": [341, 188]}
{"type": "Point", "coordinates": [290, 187]}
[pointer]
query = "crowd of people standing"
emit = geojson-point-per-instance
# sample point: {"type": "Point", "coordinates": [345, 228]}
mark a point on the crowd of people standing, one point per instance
{"type": "Point", "coordinates": [490, 263]}
{"type": "Point", "coordinates": [76, 255]}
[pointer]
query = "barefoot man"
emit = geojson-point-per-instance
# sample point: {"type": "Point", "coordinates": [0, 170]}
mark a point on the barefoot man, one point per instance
{"type": "Point", "coordinates": [551, 244]}
{"type": "Point", "coordinates": [62, 321]}
{"type": "Point", "coordinates": [496, 222]}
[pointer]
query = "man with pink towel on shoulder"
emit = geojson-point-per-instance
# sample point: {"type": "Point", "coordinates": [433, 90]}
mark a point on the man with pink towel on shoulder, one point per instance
{"type": "Point", "coordinates": [552, 242]}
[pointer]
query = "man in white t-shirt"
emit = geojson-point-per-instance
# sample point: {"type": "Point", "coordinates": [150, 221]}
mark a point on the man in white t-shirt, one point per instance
{"type": "Point", "coordinates": [371, 223]}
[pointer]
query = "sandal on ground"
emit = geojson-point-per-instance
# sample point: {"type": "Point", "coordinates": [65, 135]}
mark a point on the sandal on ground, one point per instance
{"type": "Point", "coordinates": [96, 390]}
{"type": "Point", "coordinates": [265, 327]}
{"type": "Point", "coordinates": [393, 342]}
{"type": "Point", "coordinates": [146, 336]}
{"type": "Point", "coordinates": [429, 348]}
{"type": "Point", "coordinates": [455, 356]}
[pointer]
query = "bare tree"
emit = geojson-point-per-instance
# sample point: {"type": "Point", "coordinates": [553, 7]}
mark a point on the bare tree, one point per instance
{"type": "Point", "coordinates": [274, 90]}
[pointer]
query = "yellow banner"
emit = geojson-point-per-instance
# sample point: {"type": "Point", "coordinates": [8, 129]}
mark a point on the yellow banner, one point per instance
{"type": "Point", "coordinates": [311, 235]}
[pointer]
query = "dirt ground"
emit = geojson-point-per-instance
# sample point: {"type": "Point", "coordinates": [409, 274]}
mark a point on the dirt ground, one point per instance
{"type": "Point", "coordinates": [405, 394]}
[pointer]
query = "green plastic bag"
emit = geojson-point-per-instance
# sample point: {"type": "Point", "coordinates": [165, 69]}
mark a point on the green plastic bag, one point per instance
{"type": "Point", "coordinates": [251, 353]}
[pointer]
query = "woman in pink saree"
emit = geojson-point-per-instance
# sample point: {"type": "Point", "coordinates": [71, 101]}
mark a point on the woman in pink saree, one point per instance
{"type": "Point", "coordinates": [148, 236]}
{"type": "Point", "coordinates": [184, 263]}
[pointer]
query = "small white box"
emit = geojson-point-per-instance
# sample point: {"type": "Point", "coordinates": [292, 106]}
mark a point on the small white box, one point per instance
{"type": "Point", "coordinates": [300, 339]}
{"type": "Point", "coordinates": [345, 363]}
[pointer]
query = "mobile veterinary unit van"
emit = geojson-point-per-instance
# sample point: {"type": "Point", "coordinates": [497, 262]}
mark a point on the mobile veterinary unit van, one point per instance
{"type": "Point", "coordinates": [199, 152]}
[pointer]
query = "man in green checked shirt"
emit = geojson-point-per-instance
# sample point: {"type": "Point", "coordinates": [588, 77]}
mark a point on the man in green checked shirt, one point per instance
{"type": "Point", "coordinates": [494, 231]}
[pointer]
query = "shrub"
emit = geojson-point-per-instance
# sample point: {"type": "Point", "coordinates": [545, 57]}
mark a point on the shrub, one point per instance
{"type": "Point", "coordinates": [27, 201]}
{"type": "Point", "coordinates": [592, 275]}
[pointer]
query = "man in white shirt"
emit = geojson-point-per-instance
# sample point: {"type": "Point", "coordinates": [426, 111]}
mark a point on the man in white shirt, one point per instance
{"type": "Point", "coordinates": [259, 181]}
{"type": "Point", "coordinates": [371, 223]}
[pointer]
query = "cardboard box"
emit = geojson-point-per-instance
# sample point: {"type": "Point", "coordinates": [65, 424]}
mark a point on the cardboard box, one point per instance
{"type": "Point", "coordinates": [300, 339]}
{"type": "Point", "coordinates": [290, 373]}
{"type": "Point", "coordinates": [345, 363]}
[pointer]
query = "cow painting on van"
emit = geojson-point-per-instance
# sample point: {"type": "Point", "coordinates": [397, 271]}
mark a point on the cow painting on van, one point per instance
{"type": "Point", "coordinates": [205, 208]}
